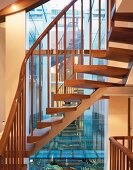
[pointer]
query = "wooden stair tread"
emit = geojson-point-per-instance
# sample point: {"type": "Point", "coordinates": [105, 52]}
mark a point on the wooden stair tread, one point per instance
{"type": "Point", "coordinates": [123, 16]}
{"type": "Point", "coordinates": [89, 84]}
{"type": "Point", "coordinates": [55, 110]}
{"type": "Point", "coordinates": [121, 35]}
{"type": "Point", "coordinates": [73, 97]}
{"type": "Point", "coordinates": [38, 134]}
{"type": "Point", "coordinates": [98, 53]}
{"type": "Point", "coordinates": [70, 97]}
{"type": "Point", "coordinates": [102, 70]}
{"type": "Point", "coordinates": [49, 122]}
{"type": "Point", "coordinates": [117, 54]}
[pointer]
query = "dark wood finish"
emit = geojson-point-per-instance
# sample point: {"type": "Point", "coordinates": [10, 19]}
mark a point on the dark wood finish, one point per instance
{"type": "Point", "coordinates": [115, 54]}
{"type": "Point", "coordinates": [38, 134]}
{"type": "Point", "coordinates": [70, 97]}
{"type": "Point", "coordinates": [56, 89]}
{"type": "Point", "coordinates": [16, 121]}
{"type": "Point", "coordinates": [129, 116]}
{"type": "Point", "coordinates": [55, 110]}
{"type": "Point", "coordinates": [48, 67]}
{"type": "Point", "coordinates": [51, 25]}
{"type": "Point", "coordinates": [73, 97]}
{"type": "Point", "coordinates": [49, 122]}
{"type": "Point", "coordinates": [121, 35]}
{"type": "Point", "coordinates": [119, 54]}
{"type": "Point", "coordinates": [73, 39]}
{"type": "Point", "coordinates": [102, 70]}
{"type": "Point", "coordinates": [14, 135]}
{"type": "Point", "coordinates": [40, 84]}
{"type": "Point", "coordinates": [121, 156]}
{"type": "Point", "coordinates": [98, 53]}
{"type": "Point", "coordinates": [20, 6]}
{"type": "Point", "coordinates": [121, 16]}
{"type": "Point", "coordinates": [94, 53]}
{"type": "Point", "coordinates": [89, 84]}
{"type": "Point", "coordinates": [70, 117]}
{"type": "Point", "coordinates": [32, 97]}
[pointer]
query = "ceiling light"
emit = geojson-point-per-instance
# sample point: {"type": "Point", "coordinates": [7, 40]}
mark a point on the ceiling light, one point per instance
{"type": "Point", "coordinates": [14, 7]}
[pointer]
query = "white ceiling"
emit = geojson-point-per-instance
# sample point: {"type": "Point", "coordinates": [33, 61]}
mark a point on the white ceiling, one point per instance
{"type": "Point", "coordinates": [4, 3]}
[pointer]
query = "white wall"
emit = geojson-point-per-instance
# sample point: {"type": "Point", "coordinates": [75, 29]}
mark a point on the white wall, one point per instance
{"type": "Point", "coordinates": [118, 116]}
{"type": "Point", "coordinates": [2, 75]}
{"type": "Point", "coordinates": [15, 53]}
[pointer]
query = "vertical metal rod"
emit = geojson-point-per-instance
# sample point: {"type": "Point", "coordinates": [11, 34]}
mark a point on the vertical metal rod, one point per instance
{"type": "Point", "coordinates": [73, 39]}
{"type": "Point", "coordinates": [48, 67]}
{"type": "Point", "coordinates": [8, 154]}
{"type": "Point", "coordinates": [21, 127]}
{"type": "Point", "coordinates": [56, 58]}
{"type": "Point", "coordinates": [117, 158]}
{"type": "Point", "coordinates": [113, 163]}
{"type": "Point", "coordinates": [20, 135]}
{"type": "Point", "coordinates": [131, 145]}
{"type": "Point", "coordinates": [107, 23]}
{"type": "Point", "coordinates": [15, 139]}
{"type": "Point", "coordinates": [90, 31]}
{"type": "Point", "coordinates": [24, 112]}
{"type": "Point", "coordinates": [120, 160]}
{"type": "Point", "coordinates": [19, 143]}
{"type": "Point", "coordinates": [110, 156]}
{"type": "Point", "coordinates": [17, 133]}
{"type": "Point", "coordinates": [32, 86]}
{"type": "Point", "coordinates": [22, 124]}
{"type": "Point", "coordinates": [99, 26]}
{"type": "Point", "coordinates": [65, 50]}
{"type": "Point", "coordinates": [123, 142]}
{"type": "Point", "coordinates": [12, 145]}
{"type": "Point", "coordinates": [127, 163]}
{"type": "Point", "coordinates": [123, 161]}
{"type": "Point", "coordinates": [40, 84]}
{"type": "Point", "coordinates": [129, 114]}
{"type": "Point", "coordinates": [82, 34]}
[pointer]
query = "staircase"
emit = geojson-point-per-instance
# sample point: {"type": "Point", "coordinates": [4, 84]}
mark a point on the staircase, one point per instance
{"type": "Point", "coordinates": [15, 144]}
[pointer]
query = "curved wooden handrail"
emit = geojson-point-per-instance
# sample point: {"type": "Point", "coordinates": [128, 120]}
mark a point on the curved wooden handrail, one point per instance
{"type": "Point", "coordinates": [51, 25]}
{"type": "Point", "coordinates": [22, 77]}
{"type": "Point", "coordinates": [121, 147]}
